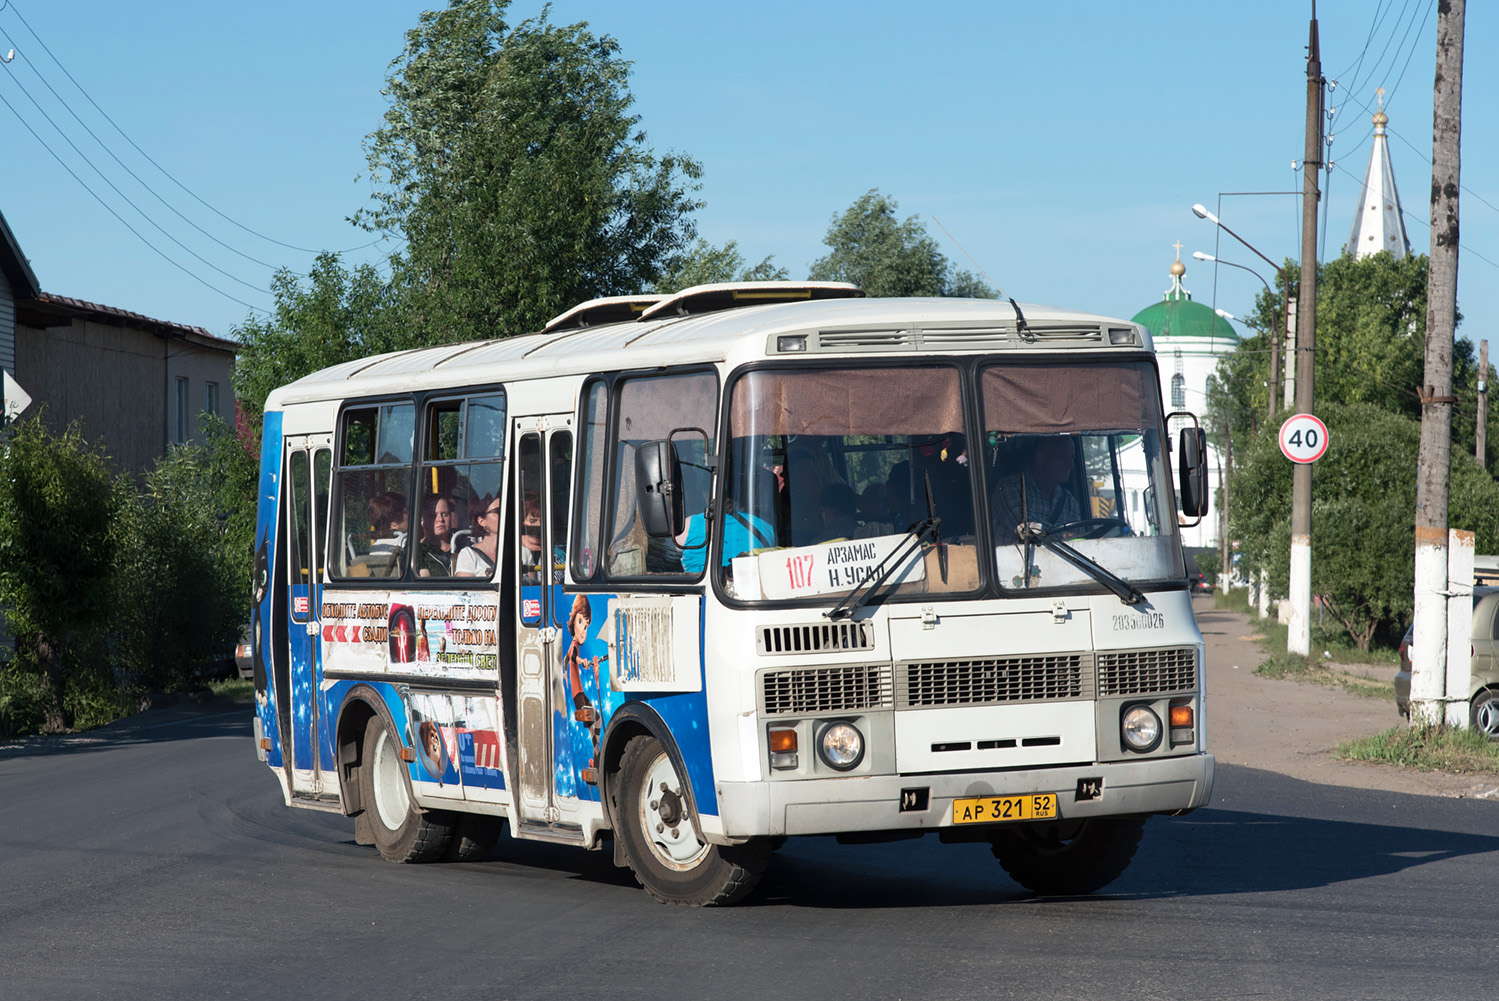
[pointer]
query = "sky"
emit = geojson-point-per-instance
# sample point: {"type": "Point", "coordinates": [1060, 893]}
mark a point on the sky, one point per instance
{"type": "Point", "coordinates": [1061, 145]}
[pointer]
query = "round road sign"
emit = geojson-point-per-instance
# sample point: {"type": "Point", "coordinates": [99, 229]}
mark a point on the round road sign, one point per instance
{"type": "Point", "coordinates": [1303, 438]}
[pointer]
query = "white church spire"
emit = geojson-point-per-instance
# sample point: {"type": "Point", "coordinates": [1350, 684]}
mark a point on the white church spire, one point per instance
{"type": "Point", "coordinates": [1379, 223]}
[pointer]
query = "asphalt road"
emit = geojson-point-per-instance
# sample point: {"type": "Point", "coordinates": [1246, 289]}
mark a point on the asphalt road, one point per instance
{"type": "Point", "coordinates": [159, 863]}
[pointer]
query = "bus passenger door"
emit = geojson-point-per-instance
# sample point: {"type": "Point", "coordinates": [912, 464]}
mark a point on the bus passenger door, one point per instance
{"type": "Point", "coordinates": [306, 485]}
{"type": "Point", "coordinates": [548, 792]}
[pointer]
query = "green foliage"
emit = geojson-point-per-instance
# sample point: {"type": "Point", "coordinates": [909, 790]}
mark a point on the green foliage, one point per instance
{"type": "Point", "coordinates": [178, 603]}
{"type": "Point", "coordinates": [1427, 749]}
{"type": "Point", "coordinates": [1363, 504]}
{"type": "Point", "coordinates": [510, 164]}
{"type": "Point", "coordinates": [336, 316]}
{"type": "Point", "coordinates": [705, 264]}
{"type": "Point", "coordinates": [884, 257]}
{"type": "Point", "coordinates": [56, 553]}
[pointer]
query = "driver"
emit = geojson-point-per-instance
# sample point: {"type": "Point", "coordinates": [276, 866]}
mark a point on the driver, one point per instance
{"type": "Point", "coordinates": [1043, 495]}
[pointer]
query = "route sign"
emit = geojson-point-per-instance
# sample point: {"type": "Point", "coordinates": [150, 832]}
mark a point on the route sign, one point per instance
{"type": "Point", "coordinates": [1303, 438]}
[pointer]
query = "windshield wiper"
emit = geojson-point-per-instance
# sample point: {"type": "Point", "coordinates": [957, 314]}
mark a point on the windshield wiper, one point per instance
{"type": "Point", "coordinates": [1031, 532]}
{"type": "Point", "coordinates": [859, 596]}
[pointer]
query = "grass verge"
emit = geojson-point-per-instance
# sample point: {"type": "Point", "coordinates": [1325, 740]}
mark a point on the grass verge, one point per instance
{"type": "Point", "coordinates": [232, 690]}
{"type": "Point", "coordinates": [1427, 749]}
{"type": "Point", "coordinates": [1292, 667]}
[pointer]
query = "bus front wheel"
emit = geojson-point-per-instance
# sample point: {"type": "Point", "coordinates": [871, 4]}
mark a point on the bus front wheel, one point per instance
{"type": "Point", "coordinates": [1068, 856]}
{"type": "Point", "coordinates": [401, 830]}
{"type": "Point", "coordinates": [661, 841]}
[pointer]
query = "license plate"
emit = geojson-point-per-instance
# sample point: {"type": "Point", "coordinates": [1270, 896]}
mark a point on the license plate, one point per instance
{"type": "Point", "coordinates": [999, 809]}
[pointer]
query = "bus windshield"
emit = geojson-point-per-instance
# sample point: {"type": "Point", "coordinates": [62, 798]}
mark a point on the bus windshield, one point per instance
{"type": "Point", "coordinates": [1073, 454]}
{"type": "Point", "coordinates": [830, 471]}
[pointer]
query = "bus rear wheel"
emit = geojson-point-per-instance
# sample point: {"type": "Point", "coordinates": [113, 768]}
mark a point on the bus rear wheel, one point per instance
{"type": "Point", "coordinates": [1066, 857]}
{"type": "Point", "coordinates": [661, 842]}
{"type": "Point", "coordinates": [401, 830]}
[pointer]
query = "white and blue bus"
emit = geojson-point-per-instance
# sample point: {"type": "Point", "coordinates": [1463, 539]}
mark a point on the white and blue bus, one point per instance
{"type": "Point", "coordinates": [689, 575]}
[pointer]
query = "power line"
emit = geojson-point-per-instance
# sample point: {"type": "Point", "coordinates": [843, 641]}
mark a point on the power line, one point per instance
{"type": "Point", "coordinates": [117, 216]}
{"type": "Point", "coordinates": [12, 6]}
{"type": "Point", "coordinates": [113, 187]}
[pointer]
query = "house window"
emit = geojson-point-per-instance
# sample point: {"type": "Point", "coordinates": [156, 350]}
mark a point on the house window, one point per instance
{"type": "Point", "coordinates": [1178, 391]}
{"type": "Point", "coordinates": [181, 409]}
{"type": "Point", "coordinates": [211, 397]}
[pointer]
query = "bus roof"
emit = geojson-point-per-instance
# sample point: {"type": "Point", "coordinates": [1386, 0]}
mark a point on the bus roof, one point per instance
{"type": "Point", "coordinates": [714, 325]}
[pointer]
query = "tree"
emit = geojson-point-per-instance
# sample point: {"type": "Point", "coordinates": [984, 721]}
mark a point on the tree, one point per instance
{"type": "Point", "coordinates": [869, 248]}
{"type": "Point", "coordinates": [57, 548]}
{"type": "Point", "coordinates": [178, 601]}
{"type": "Point", "coordinates": [1362, 509]}
{"type": "Point", "coordinates": [336, 316]}
{"type": "Point", "coordinates": [509, 163]}
{"type": "Point", "coordinates": [705, 264]}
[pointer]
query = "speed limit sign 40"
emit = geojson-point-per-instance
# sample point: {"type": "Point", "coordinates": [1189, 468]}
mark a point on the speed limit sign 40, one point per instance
{"type": "Point", "coordinates": [1303, 438]}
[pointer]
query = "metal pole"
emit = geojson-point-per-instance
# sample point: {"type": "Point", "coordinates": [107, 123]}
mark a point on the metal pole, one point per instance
{"type": "Point", "coordinates": [1299, 633]}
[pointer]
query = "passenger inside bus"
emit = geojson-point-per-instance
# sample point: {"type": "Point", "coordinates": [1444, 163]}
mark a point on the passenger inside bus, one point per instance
{"type": "Point", "coordinates": [1042, 495]}
{"type": "Point", "coordinates": [478, 560]}
{"type": "Point", "coordinates": [437, 535]}
{"type": "Point", "coordinates": [742, 534]}
{"type": "Point", "coordinates": [530, 539]}
{"type": "Point", "coordinates": [389, 519]}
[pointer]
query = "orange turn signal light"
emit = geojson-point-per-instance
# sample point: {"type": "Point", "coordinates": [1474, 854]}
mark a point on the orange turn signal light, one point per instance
{"type": "Point", "coordinates": [265, 743]}
{"type": "Point", "coordinates": [407, 754]}
{"type": "Point", "coordinates": [1181, 716]}
{"type": "Point", "coordinates": [782, 741]}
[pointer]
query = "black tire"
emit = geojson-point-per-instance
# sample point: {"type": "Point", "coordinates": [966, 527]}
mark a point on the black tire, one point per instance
{"type": "Point", "coordinates": [1485, 713]}
{"type": "Point", "coordinates": [671, 862]}
{"type": "Point", "coordinates": [474, 837]}
{"type": "Point", "coordinates": [402, 831]}
{"type": "Point", "coordinates": [1064, 857]}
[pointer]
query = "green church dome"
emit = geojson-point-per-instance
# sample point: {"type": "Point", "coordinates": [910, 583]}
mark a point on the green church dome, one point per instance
{"type": "Point", "coordinates": [1177, 316]}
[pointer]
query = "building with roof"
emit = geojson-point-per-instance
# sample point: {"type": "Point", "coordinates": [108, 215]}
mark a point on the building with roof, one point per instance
{"type": "Point", "coordinates": [137, 384]}
{"type": "Point", "coordinates": [1379, 223]}
{"type": "Point", "coordinates": [1189, 339]}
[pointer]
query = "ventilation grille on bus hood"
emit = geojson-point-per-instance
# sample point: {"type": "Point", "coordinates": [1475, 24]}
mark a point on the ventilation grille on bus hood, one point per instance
{"type": "Point", "coordinates": [1138, 672]}
{"type": "Point", "coordinates": [818, 637]}
{"type": "Point", "coordinates": [981, 682]}
{"type": "Point", "coordinates": [825, 689]}
{"type": "Point", "coordinates": [948, 340]}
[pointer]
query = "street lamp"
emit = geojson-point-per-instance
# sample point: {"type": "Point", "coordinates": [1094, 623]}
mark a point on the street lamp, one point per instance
{"type": "Point", "coordinates": [1201, 212]}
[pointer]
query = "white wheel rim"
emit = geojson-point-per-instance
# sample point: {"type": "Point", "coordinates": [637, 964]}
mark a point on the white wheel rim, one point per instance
{"type": "Point", "coordinates": [664, 821]}
{"type": "Point", "coordinates": [391, 801]}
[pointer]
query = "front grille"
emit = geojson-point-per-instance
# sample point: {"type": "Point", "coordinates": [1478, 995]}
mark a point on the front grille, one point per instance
{"type": "Point", "coordinates": [982, 682]}
{"type": "Point", "coordinates": [1138, 672]}
{"type": "Point", "coordinates": [819, 637]}
{"type": "Point", "coordinates": [825, 689]}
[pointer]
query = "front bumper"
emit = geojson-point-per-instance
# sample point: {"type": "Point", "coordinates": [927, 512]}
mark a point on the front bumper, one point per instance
{"type": "Point", "coordinates": [873, 803]}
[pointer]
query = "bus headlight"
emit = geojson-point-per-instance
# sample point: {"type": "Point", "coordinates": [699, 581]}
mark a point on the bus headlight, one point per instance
{"type": "Point", "coordinates": [841, 746]}
{"type": "Point", "coordinates": [1141, 728]}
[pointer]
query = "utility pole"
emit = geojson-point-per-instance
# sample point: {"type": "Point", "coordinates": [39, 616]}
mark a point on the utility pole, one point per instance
{"type": "Point", "coordinates": [1482, 431]}
{"type": "Point", "coordinates": [1429, 689]}
{"type": "Point", "coordinates": [1299, 632]}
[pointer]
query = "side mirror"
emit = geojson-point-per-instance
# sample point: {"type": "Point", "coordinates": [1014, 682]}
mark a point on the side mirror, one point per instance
{"type": "Point", "coordinates": [1192, 472]}
{"type": "Point", "coordinates": [658, 489]}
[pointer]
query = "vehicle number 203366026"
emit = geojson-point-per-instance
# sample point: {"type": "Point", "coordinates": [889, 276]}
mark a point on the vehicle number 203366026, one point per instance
{"type": "Point", "coordinates": [998, 809]}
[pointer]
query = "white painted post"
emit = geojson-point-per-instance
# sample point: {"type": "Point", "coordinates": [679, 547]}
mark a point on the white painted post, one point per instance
{"type": "Point", "coordinates": [1264, 594]}
{"type": "Point", "coordinates": [1299, 629]}
{"type": "Point", "coordinates": [1429, 637]}
{"type": "Point", "coordinates": [1460, 546]}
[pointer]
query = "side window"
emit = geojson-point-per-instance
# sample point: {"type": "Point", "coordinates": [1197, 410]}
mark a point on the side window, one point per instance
{"type": "Point", "coordinates": [371, 518]}
{"type": "Point", "coordinates": [650, 409]}
{"type": "Point", "coordinates": [462, 463]}
{"type": "Point", "coordinates": [586, 545]}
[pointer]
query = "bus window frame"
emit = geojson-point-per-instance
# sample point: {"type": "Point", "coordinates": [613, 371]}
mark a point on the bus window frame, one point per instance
{"type": "Point", "coordinates": [602, 580]}
{"type": "Point", "coordinates": [408, 579]}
